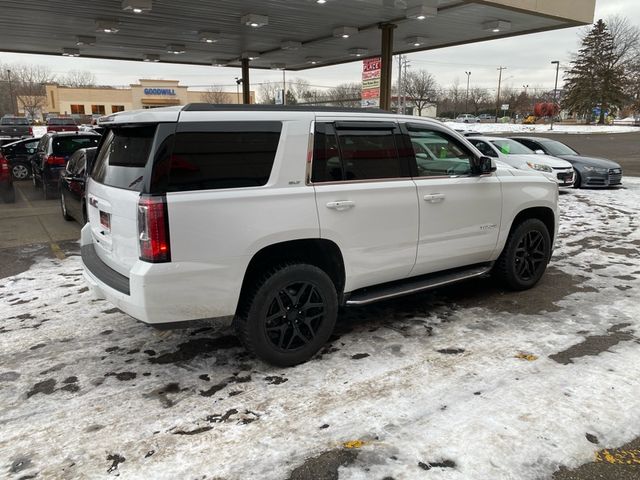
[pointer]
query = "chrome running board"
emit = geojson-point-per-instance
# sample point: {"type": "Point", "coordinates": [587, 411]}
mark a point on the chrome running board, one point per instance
{"type": "Point", "coordinates": [408, 286]}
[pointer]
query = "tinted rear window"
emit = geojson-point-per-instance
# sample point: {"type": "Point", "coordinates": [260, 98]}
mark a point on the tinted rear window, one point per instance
{"type": "Point", "coordinates": [123, 156]}
{"type": "Point", "coordinates": [65, 146]}
{"type": "Point", "coordinates": [223, 155]}
{"type": "Point", "coordinates": [61, 121]}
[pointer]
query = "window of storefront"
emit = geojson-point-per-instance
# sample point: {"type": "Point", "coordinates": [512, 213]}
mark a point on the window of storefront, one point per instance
{"type": "Point", "coordinates": [117, 108]}
{"type": "Point", "coordinates": [77, 109]}
{"type": "Point", "coordinates": [97, 109]}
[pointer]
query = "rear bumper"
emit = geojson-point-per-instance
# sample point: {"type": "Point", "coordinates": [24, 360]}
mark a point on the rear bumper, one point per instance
{"type": "Point", "coordinates": [164, 293]}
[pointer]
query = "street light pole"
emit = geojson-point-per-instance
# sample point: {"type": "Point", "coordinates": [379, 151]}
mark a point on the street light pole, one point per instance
{"type": "Point", "coordinates": [555, 90]}
{"type": "Point", "coordinates": [238, 82]}
{"type": "Point", "coordinates": [499, 85]}
{"type": "Point", "coordinates": [466, 104]}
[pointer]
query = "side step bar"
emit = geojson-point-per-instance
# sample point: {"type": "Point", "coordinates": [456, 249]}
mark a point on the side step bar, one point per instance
{"type": "Point", "coordinates": [390, 290]}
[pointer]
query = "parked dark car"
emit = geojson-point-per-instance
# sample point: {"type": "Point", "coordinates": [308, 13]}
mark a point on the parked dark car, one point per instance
{"type": "Point", "coordinates": [72, 183]}
{"type": "Point", "coordinates": [52, 154]}
{"type": "Point", "coordinates": [590, 171]}
{"type": "Point", "coordinates": [7, 193]}
{"type": "Point", "coordinates": [7, 140]}
{"type": "Point", "coordinates": [61, 124]}
{"type": "Point", "coordinates": [12, 126]}
{"type": "Point", "coordinates": [18, 155]}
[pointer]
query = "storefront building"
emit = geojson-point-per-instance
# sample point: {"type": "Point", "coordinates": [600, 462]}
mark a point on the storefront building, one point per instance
{"type": "Point", "coordinates": [96, 101]}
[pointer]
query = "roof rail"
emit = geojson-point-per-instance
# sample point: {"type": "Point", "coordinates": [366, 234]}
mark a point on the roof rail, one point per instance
{"type": "Point", "coordinates": [210, 107]}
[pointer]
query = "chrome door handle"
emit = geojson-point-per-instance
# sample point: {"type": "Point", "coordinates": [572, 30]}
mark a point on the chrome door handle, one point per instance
{"type": "Point", "coordinates": [434, 198]}
{"type": "Point", "coordinates": [341, 205]}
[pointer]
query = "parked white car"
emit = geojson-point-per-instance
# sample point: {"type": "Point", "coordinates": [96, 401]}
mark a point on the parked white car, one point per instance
{"type": "Point", "coordinates": [467, 118]}
{"type": "Point", "coordinates": [278, 216]}
{"type": "Point", "coordinates": [517, 155]}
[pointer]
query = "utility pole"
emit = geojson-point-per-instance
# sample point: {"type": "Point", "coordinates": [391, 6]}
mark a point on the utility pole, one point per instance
{"type": "Point", "coordinates": [555, 90]}
{"type": "Point", "coordinates": [13, 110]}
{"type": "Point", "coordinates": [284, 88]}
{"type": "Point", "coordinates": [466, 104]}
{"type": "Point", "coordinates": [238, 82]}
{"type": "Point", "coordinates": [405, 64]}
{"type": "Point", "coordinates": [499, 85]}
{"type": "Point", "coordinates": [399, 93]}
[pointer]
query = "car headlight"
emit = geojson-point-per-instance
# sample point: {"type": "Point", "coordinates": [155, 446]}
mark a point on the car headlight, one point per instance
{"type": "Point", "coordinates": [540, 167]}
{"type": "Point", "coordinates": [596, 170]}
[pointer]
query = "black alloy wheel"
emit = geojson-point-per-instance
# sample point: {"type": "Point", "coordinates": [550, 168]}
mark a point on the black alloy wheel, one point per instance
{"type": "Point", "coordinates": [285, 317]}
{"type": "Point", "coordinates": [294, 316]}
{"type": "Point", "coordinates": [525, 256]}
{"type": "Point", "coordinates": [530, 255]}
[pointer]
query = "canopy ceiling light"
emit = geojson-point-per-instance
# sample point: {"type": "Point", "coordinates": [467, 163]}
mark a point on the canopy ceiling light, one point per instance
{"type": "Point", "coordinates": [421, 12]}
{"type": "Point", "coordinates": [209, 36]}
{"type": "Point", "coordinates": [254, 20]}
{"type": "Point", "coordinates": [85, 40]}
{"type": "Point", "coordinates": [415, 41]}
{"type": "Point", "coordinates": [217, 62]}
{"type": "Point", "coordinates": [313, 60]}
{"type": "Point", "coordinates": [345, 32]}
{"type": "Point", "coordinates": [176, 48]}
{"type": "Point", "coordinates": [70, 52]}
{"type": "Point", "coordinates": [136, 6]}
{"type": "Point", "coordinates": [290, 45]}
{"type": "Point", "coordinates": [151, 57]}
{"type": "Point", "coordinates": [251, 55]}
{"type": "Point", "coordinates": [496, 26]}
{"type": "Point", "coordinates": [357, 52]}
{"type": "Point", "coordinates": [278, 66]}
{"type": "Point", "coordinates": [106, 25]}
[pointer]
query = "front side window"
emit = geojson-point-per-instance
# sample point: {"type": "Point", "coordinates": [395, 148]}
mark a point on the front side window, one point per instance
{"type": "Point", "coordinates": [511, 147]}
{"type": "Point", "coordinates": [438, 154]}
{"type": "Point", "coordinates": [484, 148]}
{"type": "Point", "coordinates": [223, 155]}
{"type": "Point", "coordinates": [358, 153]}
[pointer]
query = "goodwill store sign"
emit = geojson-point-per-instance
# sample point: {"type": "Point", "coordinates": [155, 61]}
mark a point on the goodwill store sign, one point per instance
{"type": "Point", "coordinates": [159, 91]}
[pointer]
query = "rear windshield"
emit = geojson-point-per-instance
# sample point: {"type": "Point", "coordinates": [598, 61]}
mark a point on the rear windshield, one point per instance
{"type": "Point", "coordinates": [14, 121]}
{"type": "Point", "coordinates": [61, 121]}
{"type": "Point", "coordinates": [557, 148]}
{"type": "Point", "coordinates": [65, 146]}
{"type": "Point", "coordinates": [123, 156]}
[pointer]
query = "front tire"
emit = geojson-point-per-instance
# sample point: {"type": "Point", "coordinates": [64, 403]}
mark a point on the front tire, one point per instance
{"type": "Point", "coordinates": [63, 207]}
{"type": "Point", "coordinates": [577, 180]}
{"type": "Point", "coordinates": [289, 315]}
{"type": "Point", "coordinates": [525, 255]}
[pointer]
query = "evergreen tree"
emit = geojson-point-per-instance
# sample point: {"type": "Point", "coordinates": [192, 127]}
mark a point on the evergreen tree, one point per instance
{"type": "Point", "coordinates": [596, 78]}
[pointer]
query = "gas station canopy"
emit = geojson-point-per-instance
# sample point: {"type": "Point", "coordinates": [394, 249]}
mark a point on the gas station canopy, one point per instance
{"type": "Point", "coordinates": [291, 34]}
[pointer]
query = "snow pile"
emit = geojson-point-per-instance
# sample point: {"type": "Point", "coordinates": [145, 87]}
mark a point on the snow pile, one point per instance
{"type": "Point", "coordinates": [468, 382]}
{"type": "Point", "coordinates": [528, 129]}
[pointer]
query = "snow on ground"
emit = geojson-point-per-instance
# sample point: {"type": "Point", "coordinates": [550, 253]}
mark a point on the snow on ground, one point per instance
{"type": "Point", "coordinates": [529, 129]}
{"type": "Point", "coordinates": [468, 382]}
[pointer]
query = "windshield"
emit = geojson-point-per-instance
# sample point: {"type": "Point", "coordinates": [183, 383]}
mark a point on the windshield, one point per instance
{"type": "Point", "coordinates": [14, 121]}
{"type": "Point", "coordinates": [511, 147]}
{"type": "Point", "coordinates": [556, 148]}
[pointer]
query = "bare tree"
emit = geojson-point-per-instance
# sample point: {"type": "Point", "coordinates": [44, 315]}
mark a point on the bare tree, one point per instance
{"type": "Point", "coordinates": [421, 87]}
{"type": "Point", "coordinates": [301, 89]}
{"type": "Point", "coordinates": [30, 88]}
{"type": "Point", "coordinates": [268, 92]}
{"type": "Point", "coordinates": [344, 95]}
{"type": "Point", "coordinates": [78, 79]}
{"type": "Point", "coordinates": [478, 98]}
{"type": "Point", "coordinates": [626, 40]}
{"type": "Point", "coordinates": [215, 95]}
{"type": "Point", "coordinates": [455, 95]}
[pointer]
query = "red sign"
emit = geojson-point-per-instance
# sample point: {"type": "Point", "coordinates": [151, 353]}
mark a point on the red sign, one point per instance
{"type": "Point", "coordinates": [371, 69]}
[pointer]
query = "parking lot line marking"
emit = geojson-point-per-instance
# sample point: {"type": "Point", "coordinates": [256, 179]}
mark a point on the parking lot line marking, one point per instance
{"type": "Point", "coordinates": [619, 457]}
{"type": "Point", "coordinates": [24, 197]}
{"type": "Point", "coordinates": [55, 248]}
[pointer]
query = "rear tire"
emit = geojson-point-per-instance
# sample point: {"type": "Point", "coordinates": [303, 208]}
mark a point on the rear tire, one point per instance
{"type": "Point", "coordinates": [63, 207]}
{"type": "Point", "coordinates": [525, 255]}
{"type": "Point", "coordinates": [289, 314]}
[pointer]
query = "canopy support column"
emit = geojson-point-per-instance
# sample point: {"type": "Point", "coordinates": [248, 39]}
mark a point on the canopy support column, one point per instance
{"type": "Point", "coordinates": [246, 93]}
{"type": "Point", "coordinates": [386, 65]}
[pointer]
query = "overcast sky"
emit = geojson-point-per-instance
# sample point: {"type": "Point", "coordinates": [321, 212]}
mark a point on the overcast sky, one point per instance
{"type": "Point", "coordinates": [527, 59]}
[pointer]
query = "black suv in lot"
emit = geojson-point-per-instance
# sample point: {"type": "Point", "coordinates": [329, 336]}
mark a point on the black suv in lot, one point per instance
{"type": "Point", "coordinates": [18, 154]}
{"type": "Point", "coordinates": [52, 154]}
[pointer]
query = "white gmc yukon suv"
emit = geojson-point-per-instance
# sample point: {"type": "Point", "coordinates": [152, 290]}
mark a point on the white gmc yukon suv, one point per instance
{"type": "Point", "coordinates": [278, 216]}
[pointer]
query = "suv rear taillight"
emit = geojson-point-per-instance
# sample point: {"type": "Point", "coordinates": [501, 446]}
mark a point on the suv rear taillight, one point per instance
{"type": "Point", "coordinates": [31, 131]}
{"type": "Point", "coordinates": [153, 229]}
{"type": "Point", "coordinates": [55, 160]}
{"type": "Point", "coordinates": [4, 167]}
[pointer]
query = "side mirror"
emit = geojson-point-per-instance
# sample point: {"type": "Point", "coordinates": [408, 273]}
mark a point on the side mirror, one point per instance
{"type": "Point", "coordinates": [482, 166]}
{"type": "Point", "coordinates": [540, 152]}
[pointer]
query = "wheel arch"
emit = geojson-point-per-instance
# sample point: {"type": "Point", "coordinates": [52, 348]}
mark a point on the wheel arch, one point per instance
{"type": "Point", "coordinates": [321, 253]}
{"type": "Point", "coordinates": [544, 214]}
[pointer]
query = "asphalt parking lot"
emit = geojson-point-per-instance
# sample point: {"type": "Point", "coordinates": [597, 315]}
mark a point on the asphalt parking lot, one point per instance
{"type": "Point", "coordinates": [465, 382]}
